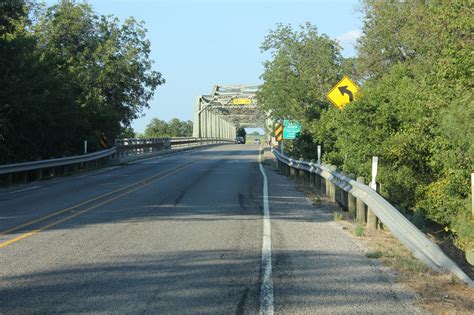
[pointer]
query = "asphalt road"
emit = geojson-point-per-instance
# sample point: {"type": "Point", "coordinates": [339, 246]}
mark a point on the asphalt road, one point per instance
{"type": "Point", "coordinates": [180, 234]}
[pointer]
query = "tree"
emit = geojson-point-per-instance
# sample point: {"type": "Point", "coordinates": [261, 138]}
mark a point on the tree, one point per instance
{"type": "Point", "coordinates": [303, 68]}
{"type": "Point", "coordinates": [37, 116]}
{"type": "Point", "coordinates": [174, 128]}
{"type": "Point", "coordinates": [106, 62]}
{"type": "Point", "coordinates": [417, 109]}
{"type": "Point", "coordinates": [68, 75]}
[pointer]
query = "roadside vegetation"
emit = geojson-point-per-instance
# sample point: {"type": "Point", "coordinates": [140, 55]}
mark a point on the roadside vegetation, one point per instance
{"type": "Point", "coordinates": [415, 110]}
{"type": "Point", "coordinates": [158, 128]}
{"type": "Point", "coordinates": [67, 75]}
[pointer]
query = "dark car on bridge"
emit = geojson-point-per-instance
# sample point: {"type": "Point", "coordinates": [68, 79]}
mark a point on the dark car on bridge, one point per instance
{"type": "Point", "coordinates": [240, 140]}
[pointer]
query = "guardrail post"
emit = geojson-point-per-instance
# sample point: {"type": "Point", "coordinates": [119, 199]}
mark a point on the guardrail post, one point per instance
{"type": "Point", "coordinates": [322, 186]}
{"type": "Point", "coordinates": [293, 171]}
{"type": "Point", "coordinates": [371, 217]}
{"type": "Point", "coordinates": [9, 179]}
{"type": "Point", "coordinates": [343, 195]}
{"type": "Point", "coordinates": [331, 188]}
{"type": "Point", "coordinates": [372, 220]}
{"type": "Point", "coordinates": [301, 173]}
{"type": "Point", "coordinates": [360, 205]}
{"type": "Point", "coordinates": [351, 200]}
{"type": "Point", "coordinates": [311, 175]}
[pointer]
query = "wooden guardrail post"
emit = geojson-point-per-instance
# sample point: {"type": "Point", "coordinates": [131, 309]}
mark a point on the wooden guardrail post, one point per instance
{"type": "Point", "coordinates": [371, 217]}
{"type": "Point", "coordinates": [351, 200]}
{"type": "Point", "coordinates": [360, 205]}
{"type": "Point", "coordinates": [301, 173]}
{"type": "Point", "coordinates": [372, 220]}
{"type": "Point", "coordinates": [311, 175]}
{"type": "Point", "coordinates": [343, 195]}
{"type": "Point", "coordinates": [293, 172]}
{"type": "Point", "coordinates": [322, 187]}
{"type": "Point", "coordinates": [331, 188]}
{"type": "Point", "coordinates": [24, 177]}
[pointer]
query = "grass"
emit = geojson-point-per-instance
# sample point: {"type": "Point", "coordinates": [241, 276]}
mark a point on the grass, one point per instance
{"type": "Point", "coordinates": [337, 216]}
{"type": "Point", "coordinates": [439, 293]}
{"type": "Point", "coordinates": [359, 231]}
{"type": "Point", "coordinates": [376, 254]}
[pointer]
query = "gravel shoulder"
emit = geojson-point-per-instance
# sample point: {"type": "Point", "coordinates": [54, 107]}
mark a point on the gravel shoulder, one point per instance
{"type": "Point", "coordinates": [318, 268]}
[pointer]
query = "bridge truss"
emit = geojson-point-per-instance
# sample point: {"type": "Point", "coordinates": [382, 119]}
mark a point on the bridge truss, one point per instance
{"type": "Point", "coordinates": [226, 109]}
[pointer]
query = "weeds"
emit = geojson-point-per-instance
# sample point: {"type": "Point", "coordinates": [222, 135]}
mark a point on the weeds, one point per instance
{"type": "Point", "coordinates": [337, 216]}
{"type": "Point", "coordinates": [374, 255]}
{"type": "Point", "coordinates": [359, 231]}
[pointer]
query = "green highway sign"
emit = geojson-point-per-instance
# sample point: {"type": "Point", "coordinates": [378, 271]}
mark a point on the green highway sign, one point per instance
{"type": "Point", "coordinates": [291, 129]}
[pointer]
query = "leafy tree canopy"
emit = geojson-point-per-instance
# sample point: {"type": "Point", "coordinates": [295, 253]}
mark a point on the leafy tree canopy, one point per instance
{"type": "Point", "coordinates": [68, 75]}
{"type": "Point", "coordinates": [174, 128]}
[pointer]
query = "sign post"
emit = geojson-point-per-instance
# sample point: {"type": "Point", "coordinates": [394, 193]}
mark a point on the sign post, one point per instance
{"type": "Point", "coordinates": [319, 154]}
{"type": "Point", "coordinates": [375, 163]}
{"type": "Point", "coordinates": [85, 146]}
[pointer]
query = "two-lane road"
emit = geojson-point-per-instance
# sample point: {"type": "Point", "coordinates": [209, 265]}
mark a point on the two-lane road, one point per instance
{"type": "Point", "coordinates": [178, 234]}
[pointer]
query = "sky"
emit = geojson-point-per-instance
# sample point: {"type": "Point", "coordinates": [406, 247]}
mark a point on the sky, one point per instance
{"type": "Point", "coordinates": [197, 44]}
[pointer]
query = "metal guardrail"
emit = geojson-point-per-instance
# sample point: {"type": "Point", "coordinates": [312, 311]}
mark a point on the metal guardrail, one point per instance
{"type": "Point", "coordinates": [399, 225]}
{"type": "Point", "coordinates": [144, 147]}
{"type": "Point", "coordinates": [35, 165]}
{"type": "Point", "coordinates": [124, 150]}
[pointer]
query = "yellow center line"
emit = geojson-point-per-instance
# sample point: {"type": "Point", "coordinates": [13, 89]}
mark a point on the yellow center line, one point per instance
{"type": "Point", "coordinates": [28, 234]}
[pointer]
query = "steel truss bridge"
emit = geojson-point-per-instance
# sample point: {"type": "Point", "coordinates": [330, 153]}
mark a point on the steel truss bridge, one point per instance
{"type": "Point", "coordinates": [226, 109]}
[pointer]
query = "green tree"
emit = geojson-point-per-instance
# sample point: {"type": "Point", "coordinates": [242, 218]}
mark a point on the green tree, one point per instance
{"type": "Point", "coordinates": [106, 62]}
{"type": "Point", "coordinates": [304, 66]}
{"type": "Point", "coordinates": [178, 128]}
{"type": "Point", "coordinates": [174, 128]}
{"type": "Point", "coordinates": [66, 76]}
{"type": "Point", "coordinates": [417, 109]}
{"type": "Point", "coordinates": [37, 118]}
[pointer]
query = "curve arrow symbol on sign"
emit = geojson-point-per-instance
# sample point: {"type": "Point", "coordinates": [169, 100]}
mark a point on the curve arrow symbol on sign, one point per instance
{"type": "Point", "coordinates": [344, 90]}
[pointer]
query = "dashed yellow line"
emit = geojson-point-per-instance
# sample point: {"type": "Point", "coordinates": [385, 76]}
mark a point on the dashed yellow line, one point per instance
{"type": "Point", "coordinates": [151, 180]}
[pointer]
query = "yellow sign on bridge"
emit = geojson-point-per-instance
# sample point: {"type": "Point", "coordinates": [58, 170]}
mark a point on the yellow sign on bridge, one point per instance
{"type": "Point", "coordinates": [241, 101]}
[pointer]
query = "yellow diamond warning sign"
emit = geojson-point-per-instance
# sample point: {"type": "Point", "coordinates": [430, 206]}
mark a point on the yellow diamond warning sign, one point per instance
{"type": "Point", "coordinates": [343, 93]}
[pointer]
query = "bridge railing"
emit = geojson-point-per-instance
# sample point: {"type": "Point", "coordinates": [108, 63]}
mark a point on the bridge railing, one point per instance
{"type": "Point", "coordinates": [353, 194]}
{"type": "Point", "coordinates": [136, 148]}
{"type": "Point", "coordinates": [35, 170]}
{"type": "Point", "coordinates": [125, 150]}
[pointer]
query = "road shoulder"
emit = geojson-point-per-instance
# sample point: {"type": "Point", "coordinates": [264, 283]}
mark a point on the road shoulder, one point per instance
{"type": "Point", "coordinates": [318, 267]}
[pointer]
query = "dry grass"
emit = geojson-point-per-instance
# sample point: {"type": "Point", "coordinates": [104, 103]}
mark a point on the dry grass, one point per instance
{"type": "Point", "coordinates": [438, 293]}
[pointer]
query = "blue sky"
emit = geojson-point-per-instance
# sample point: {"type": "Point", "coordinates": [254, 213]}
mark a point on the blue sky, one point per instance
{"type": "Point", "coordinates": [196, 44]}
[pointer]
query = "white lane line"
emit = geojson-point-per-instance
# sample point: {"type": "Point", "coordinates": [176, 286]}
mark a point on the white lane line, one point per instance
{"type": "Point", "coordinates": [266, 289]}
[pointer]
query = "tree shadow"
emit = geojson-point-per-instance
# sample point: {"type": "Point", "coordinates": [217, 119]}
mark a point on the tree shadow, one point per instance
{"type": "Point", "coordinates": [192, 282]}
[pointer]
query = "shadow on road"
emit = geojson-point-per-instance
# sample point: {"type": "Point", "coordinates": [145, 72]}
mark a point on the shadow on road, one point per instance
{"type": "Point", "coordinates": [191, 282]}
